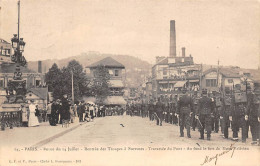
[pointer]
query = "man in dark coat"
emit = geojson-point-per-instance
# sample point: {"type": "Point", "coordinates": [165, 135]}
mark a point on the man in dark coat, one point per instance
{"type": "Point", "coordinates": [184, 112]}
{"type": "Point", "coordinates": [81, 110]}
{"type": "Point", "coordinates": [238, 113]}
{"type": "Point", "coordinates": [65, 108]}
{"type": "Point", "coordinates": [159, 112]}
{"type": "Point", "coordinates": [225, 112]}
{"type": "Point", "coordinates": [204, 114]}
{"type": "Point", "coordinates": [253, 114]}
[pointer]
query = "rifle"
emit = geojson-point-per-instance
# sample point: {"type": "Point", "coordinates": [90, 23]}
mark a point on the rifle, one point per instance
{"type": "Point", "coordinates": [200, 123]}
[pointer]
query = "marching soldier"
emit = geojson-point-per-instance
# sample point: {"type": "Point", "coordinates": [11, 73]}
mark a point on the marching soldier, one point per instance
{"type": "Point", "coordinates": [174, 110]}
{"type": "Point", "coordinates": [204, 114]}
{"type": "Point", "coordinates": [151, 110]}
{"type": "Point", "coordinates": [167, 112]}
{"type": "Point", "coordinates": [195, 105]}
{"type": "Point", "coordinates": [159, 112]}
{"type": "Point", "coordinates": [225, 112]}
{"type": "Point", "coordinates": [238, 111]}
{"type": "Point", "coordinates": [216, 114]}
{"type": "Point", "coordinates": [184, 112]}
{"type": "Point", "coordinates": [171, 112]}
{"type": "Point", "coordinates": [252, 114]}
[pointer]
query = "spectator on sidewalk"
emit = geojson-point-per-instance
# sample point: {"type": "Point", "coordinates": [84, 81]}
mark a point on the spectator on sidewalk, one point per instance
{"type": "Point", "coordinates": [91, 112]}
{"type": "Point", "coordinates": [33, 120]}
{"type": "Point", "coordinates": [49, 107]}
{"type": "Point", "coordinates": [81, 108]}
{"type": "Point", "coordinates": [25, 114]}
{"type": "Point", "coordinates": [37, 113]}
{"type": "Point", "coordinates": [65, 108]}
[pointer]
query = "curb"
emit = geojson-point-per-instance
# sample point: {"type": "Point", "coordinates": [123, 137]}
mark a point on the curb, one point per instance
{"type": "Point", "coordinates": [47, 140]}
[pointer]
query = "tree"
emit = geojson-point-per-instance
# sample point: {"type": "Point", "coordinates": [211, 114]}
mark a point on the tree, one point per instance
{"type": "Point", "coordinates": [80, 81]}
{"type": "Point", "coordinates": [99, 84]}
{"type": "Point", "coordinates": [60, 81]}
{"type": "Point", "coordinates": [53, 81]}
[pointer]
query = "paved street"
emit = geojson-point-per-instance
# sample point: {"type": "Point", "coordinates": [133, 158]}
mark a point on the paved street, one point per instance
{"type": "Point", "coordinates": [137, 137]}
{"type": "Point", "coordinates": [134, 130]}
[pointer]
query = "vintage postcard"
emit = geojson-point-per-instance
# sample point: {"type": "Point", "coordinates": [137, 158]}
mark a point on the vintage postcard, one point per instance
{"type": "Point", "coordinates": [129, 82]}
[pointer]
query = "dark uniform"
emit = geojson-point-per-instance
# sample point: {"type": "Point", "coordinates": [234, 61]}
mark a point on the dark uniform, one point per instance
{"type": "Point", "coordinates": [151, 110]}
{"type": "Point", "coordinates": [184, 110]}
{"type": "Point", "coordinates": [225, 112]}
{"type": "Point", "coordinates": [159, 112]}
{"type": "Point", "coordinates": [238, 112]}
{"type": "Point", "coordinates": [195, 106]}
{"type": "Point", "coordinates": [205, 112]}
{"type": "Point", "coordinates": [171, 113]}
{"type": "Point", "coordinates": [167, 112]}
{"type": "Point", "coordinates": [216, 114]}
{"type": "Point", "coordinates": [174, 111]}
{"type": "Point", "coordinates": [252, 114]}
{"type": "Point", "coordinates": [81, 111]}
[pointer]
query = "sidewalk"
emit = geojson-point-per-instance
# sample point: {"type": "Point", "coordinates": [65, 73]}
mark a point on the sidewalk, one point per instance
{"type": "Point", "coordinates": [29, 136]}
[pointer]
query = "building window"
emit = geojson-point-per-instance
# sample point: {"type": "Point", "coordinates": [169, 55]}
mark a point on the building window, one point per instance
{"type": "Point", "coordinates": [2, 84]}
{"type": "Point", "coordinates": [37, 83]}
{"type": "Point", "coordinates": [116, 73]}
{"type": "Point", "coordinates": [211, 83]}
{"type": "Point", "coordinates": [8, 52]}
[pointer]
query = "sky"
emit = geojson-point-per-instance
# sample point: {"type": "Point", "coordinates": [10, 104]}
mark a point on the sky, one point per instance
{"type": "Point", "coordinates": [228, 31]}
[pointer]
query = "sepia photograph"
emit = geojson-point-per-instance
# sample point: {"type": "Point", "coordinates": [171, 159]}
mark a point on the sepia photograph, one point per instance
{"type": "Point", "coordinates": [129, 82]}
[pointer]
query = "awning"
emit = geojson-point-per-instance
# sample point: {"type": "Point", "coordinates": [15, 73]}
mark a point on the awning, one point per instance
{"type": "Point", "coordinates": [110, 100]}
{"type": "Point", "coordinates": [115, 100]}
{"type": "Point", "coordinates": [115, 83]}
{"type": "Point", "coordinates": [193, 80]}
{"type": "Point", "coordinates": [180, 84]}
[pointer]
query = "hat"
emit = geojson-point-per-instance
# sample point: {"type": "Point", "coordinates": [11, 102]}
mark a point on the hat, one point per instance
{"type": "Point", "coordinates": [204, 91]}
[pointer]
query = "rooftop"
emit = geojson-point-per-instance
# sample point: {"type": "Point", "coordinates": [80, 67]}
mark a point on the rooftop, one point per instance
{"type": "Point", "coordinates": [107, 62]}
{"type": "Point", "coordinates": [40, 92]}
{"type": "Point", "coordinates": [10, 68]}
{"type": "Point", "coordinates": [224, 71]}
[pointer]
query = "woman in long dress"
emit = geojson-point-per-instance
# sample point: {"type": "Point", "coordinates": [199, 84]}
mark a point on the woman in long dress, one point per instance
{"type": "Point", "coordinates": [25, 114]}
{"type": "Point", "coordinates": [33, 120]}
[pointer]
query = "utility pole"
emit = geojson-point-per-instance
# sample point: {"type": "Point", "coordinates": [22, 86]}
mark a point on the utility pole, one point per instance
{"type": "Point", "coordinates": [72, 87]}
{"type": "Point", "coordinates": [218, 73]}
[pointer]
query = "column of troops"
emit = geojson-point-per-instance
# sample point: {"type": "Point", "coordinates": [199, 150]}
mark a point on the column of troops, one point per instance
{"type": "Point", "coordinates": [208, 112]}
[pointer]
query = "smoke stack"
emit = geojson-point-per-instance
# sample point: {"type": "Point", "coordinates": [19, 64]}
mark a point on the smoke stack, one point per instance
{"type": "Point", "coordinates": [39, 66]}
{"type": "Point", "coordinates": [172, 39]}
{"type": "Point", "coordinates": [183, 51]}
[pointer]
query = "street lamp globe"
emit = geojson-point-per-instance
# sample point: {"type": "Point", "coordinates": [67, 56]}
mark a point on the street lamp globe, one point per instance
{"type": "Point", "coordinates": [15, 41]}
{"type": "Point", "coordinates": [21, 44]}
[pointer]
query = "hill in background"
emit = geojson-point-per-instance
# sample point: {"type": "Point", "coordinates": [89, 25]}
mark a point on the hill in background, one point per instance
{"type": "Point", "coordinates": [136, 69]}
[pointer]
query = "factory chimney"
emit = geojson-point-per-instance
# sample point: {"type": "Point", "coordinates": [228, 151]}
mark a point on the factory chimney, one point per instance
{"type": "Point", "coordinates": [172, 39]}
{"type": "Point", "coordinates": [183, 51]}
{"type": "Point", "coordinates": [39, 66]}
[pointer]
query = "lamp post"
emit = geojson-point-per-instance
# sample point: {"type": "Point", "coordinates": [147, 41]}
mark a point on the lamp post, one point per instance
{"type": "Point", "coordinates": [17, 85]}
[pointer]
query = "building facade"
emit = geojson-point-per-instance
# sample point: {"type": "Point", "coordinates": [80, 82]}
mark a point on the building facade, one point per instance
{"type": "Point", "coordinates": [5, 51]}
{"type": "Point", "coordinates": [116, 86]}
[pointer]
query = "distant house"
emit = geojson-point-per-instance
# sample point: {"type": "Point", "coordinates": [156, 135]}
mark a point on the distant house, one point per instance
{"type": "Point", "coordinates": [116, 85]}
{"type": "Point", "coordinates": [5, 51]}
{"type": "Point", "coordinates": [33, 79]}
{"type": "Point", "coordinates": [213, 80]}
{"type": "Point", "coordinates": [39, 95]}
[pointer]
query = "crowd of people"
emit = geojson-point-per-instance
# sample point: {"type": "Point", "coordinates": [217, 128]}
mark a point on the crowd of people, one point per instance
{"type": "Point", "coordinates": [60, 111]}
{"type": "Point", "coordinates": [207, 112]}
